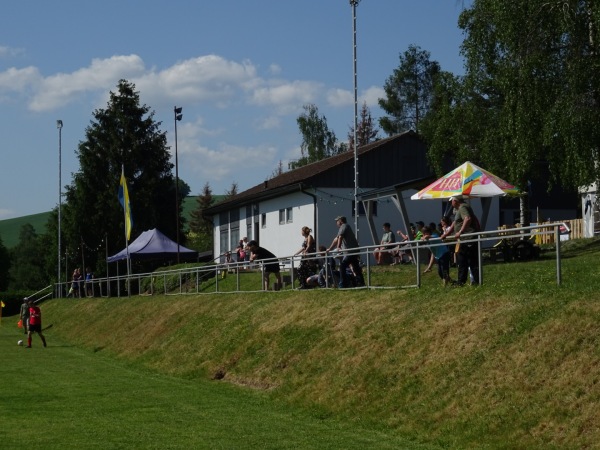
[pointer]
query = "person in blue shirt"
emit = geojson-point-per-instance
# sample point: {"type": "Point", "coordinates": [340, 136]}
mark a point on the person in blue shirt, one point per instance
{"type": "Point", "coordinates": [440, 254]}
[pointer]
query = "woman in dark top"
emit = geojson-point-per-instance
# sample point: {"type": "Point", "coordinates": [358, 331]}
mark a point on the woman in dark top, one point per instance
{"type": "Point", "coordinates": [308, 264]}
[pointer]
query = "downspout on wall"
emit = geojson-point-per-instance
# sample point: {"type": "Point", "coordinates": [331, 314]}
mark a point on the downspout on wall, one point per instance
{"type": "Point", "coordinates": [315, 213]}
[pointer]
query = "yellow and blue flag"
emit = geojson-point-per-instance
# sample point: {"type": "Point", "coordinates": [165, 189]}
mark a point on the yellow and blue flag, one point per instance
{"type": "Point", "coordinates": [124, 200]}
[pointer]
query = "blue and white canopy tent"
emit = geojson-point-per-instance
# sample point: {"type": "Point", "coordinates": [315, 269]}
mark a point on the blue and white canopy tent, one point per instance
{"type": "Point", "coordinates": [152, 244]}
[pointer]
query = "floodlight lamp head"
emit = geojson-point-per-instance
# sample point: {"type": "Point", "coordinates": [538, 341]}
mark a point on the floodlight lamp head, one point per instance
{"type": "Point", "coordinates": [354, 2]}
{"type": "Point", "coordinates": [59, 124]}
{"type": "Point", "coordinates": [178, 110]}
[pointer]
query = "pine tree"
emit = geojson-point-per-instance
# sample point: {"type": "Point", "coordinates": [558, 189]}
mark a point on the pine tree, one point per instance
{"type": "Point", "coordinates": [201, 228]}
{"type": "Point", "coordinates": [409, 91]}
{"type": "Point", "coordinates": [366, 130]}
{"type": "Point", "coordinates": [233, 190]}
{"type": "Point", "coordinates": [198, 223]}
{"type": "Point", "coordinates": [122, 136]}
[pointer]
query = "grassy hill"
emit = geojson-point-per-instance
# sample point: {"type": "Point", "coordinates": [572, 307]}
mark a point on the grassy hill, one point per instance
{"type": "Point", "coordinates": [511, 364]}
{"type": "Point", "coordinates": [10, 228]}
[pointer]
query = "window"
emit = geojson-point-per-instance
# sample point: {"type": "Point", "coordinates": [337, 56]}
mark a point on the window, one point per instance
{"type": "Point", "coordinates": [224, 241]}
{"type": "Point", "coordinates": [224, 221]}
{"type": "Point", "coordinates": [286, 216]}
{"type": "Point", "coordinates": [263, 220]}
{"type": "Point", "coordinates": [248, 214]}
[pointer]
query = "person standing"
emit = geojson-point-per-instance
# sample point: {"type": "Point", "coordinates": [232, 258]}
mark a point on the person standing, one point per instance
{"type": "Point", "coordinates": [258, 253]}
{"type": "Point", "coordinates": [89, 283]}
{"type": "Point", "coordinates": [440, 253]}
{"type": "Point", "coordinates": [35, 323]}
{"type": "Point", "coordinates": [308, 265]}
{"type": "Point", "coordinates": [24, 315]}
{"type": "Point", "coordinates": [467, 255]}
{"type": "Point", "coordinates": [345, 240]}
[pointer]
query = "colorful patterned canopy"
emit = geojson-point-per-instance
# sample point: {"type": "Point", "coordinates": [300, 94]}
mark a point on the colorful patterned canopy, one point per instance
{"type": "Point", "coordinates": [468, 180]}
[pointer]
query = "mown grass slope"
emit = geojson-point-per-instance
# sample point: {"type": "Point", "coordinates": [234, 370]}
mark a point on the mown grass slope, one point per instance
{"type": "Point", "coordinates": [511, 364]}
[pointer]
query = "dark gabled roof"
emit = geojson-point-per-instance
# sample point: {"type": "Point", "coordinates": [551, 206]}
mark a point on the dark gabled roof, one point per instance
{"type": "Point", "coordinates": [417, 183]}
{"type": "Point", "coordinates": [297, 179]}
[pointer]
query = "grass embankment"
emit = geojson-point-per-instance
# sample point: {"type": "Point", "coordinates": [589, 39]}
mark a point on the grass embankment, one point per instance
{"type": "Point", "coordinates": [511, 364]}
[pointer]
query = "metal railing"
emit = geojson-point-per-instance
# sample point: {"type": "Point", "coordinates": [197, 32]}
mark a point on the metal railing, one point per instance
{"type": "Point", "coordinates": [210, 279]}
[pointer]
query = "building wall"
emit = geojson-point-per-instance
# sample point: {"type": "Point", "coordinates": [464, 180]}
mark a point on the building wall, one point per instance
{"type": "Point", "coordinates": [281, 237]}
{"type": "Point", "coordinates": [284, 238]}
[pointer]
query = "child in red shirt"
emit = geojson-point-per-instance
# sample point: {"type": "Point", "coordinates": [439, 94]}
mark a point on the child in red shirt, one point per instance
{"type": "Point", "coordinates": [35, 323]}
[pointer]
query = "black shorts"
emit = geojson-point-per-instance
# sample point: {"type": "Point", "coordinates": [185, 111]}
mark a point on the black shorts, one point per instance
{"type": "Point", "coordinates": [272, 268]}
{"type": "Point", "coordinates": [35, 328]}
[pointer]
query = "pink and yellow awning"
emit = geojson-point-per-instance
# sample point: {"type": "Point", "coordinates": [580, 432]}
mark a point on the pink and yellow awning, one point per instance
{"type": "Point", "coordinates": [468, 180]}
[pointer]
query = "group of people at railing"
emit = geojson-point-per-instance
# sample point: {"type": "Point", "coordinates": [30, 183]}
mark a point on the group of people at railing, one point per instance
{"type": "Point", "coordinates": [81, 286]}
{"type": "Point", "coordinates": [464, 253]}
{"type": "Point", "coordinates": [321, 268]}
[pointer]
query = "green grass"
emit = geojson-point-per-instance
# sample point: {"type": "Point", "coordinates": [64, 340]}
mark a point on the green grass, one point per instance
{"type": "Point", "coordinates": [511, 364]}
{"type": "Point", "coordinates": [66, 397]}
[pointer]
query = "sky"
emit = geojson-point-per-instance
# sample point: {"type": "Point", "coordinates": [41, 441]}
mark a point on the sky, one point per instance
{"type": "Point", "coordinates": [242, 72]}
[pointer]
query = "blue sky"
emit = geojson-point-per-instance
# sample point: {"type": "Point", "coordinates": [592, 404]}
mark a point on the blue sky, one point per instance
{"type": "Point", "coordinates": [241, 71]}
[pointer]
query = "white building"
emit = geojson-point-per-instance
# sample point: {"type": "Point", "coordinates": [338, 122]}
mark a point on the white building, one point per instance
{"type": "Point", "coordinates": [273, 212]}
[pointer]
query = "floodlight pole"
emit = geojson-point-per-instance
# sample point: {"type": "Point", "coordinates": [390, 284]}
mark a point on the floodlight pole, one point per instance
{"type": "Point", "coordinates": [178, 117]}
{"type": "Point", "coordinates": [59, 125]}
{"type": "Point", "coordinates": [354, 3]}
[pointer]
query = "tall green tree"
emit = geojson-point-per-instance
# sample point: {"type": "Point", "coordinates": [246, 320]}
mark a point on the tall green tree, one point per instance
{"type": "Point", "coordinates": [4, 266]}
{"type": "Point", "coordinates": [200, 236]}
{"type": "Point", "coordinates": [123, 136]}
{"type": "Point", "coordinates": [318, 142]}
{"type": "Point", "coordinates": [571, 125]}
{"type": "Point", "coordinates": [27, 269]}
{"type": "Point", "coordinates": [366, 130]}
{"type": "Point", "coordinates": [446, 127]}
{"type": "Point", "coordinates": [408, 91]}
{"type": "Point", "coordinates": [528, 80]}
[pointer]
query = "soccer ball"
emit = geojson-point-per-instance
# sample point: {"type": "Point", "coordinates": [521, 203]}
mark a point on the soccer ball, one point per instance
{"type": "Point", "coordinates": [20, 342]}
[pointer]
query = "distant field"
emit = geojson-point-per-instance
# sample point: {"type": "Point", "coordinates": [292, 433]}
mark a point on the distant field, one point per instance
{"type": "Point", "coordinates": [10, 228]}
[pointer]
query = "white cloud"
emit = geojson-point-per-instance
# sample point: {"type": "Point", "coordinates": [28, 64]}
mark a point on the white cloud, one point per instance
{"type": "Point", "coordinates": [206, 78]}
{"type": "Point", "coordinates": [287, 97]}
{"type": "Point", "coordinates": [6, 51]}
{"type": "Point", "coordinates": [227, 162]}
{"type": "Point", "coordinates": [102, 74]}
{"type": "Point", "coordinates": [19, 80]}
{"type": "Point", "coordinates": [209, 79]}
{"type": "Point", "coordinates": [372, 95]}
{"type": "Point", "coordinates": [340, 98]}
{"type": "Point", "coordinates": [275, 69]}
{"type": "Point", "coordinates": [268, 123]}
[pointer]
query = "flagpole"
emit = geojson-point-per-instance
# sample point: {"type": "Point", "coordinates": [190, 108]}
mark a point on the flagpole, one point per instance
{"type": "Point", "coordinates": [125, 228]}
